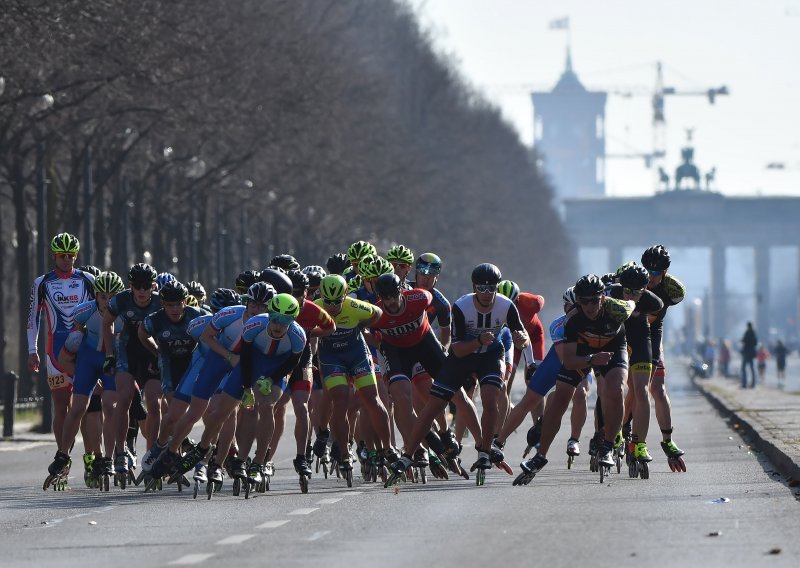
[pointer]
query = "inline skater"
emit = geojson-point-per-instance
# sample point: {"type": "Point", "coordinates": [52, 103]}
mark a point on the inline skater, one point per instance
{"type": "Point", "coordinates": [246, 279]}
{"type": "Point", "coordinates": [632, 285]}
{"type": "Point", "coordinates": [594, 337]}
{"type": "Point", "coordinates": [476, 348]}
{"type": "Point", "coordinates": [132, 362]}
{"type": "Point", "coordinates": [337, 263]}
{"type": "Point", "coordinates": [84, 350]}
{"type": "Point", "coordinates": [198, 292]}
{"type": "Point", "coordinates": [671, 291]}
{"type": "Point", "coordinates": [344, 357]}
{"type": "Point", "coordinates": [58, 293]}
{"type": "Point", "coordinates": [401, 258]}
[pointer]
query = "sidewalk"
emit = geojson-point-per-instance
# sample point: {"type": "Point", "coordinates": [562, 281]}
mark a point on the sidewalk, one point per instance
{"type": "Point", "coordinates": [769, 416]}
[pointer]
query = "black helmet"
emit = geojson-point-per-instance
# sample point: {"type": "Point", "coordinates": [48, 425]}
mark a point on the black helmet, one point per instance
{"type": "Point", "coordinates": [223, 298]}
{"type": "Point", "coordinates": [278, 279]}
{"type": "Point", "coordinates": [486, 274]}
{"type": "Point", "coordinates": [246, 279]}
{"type": "Point", "coordinates": [315, 275]}
{"type": "Point", "coordinates": [261, 292]}
{"type": "Point", "coordinates": [90, 269]}
{"type": "Point", "coordinates": [337, 263]}
{"type": "Point", "coordinates": [142, 273]}
{"type": "Point", "coordinates": [387, 285]}
{"type": "Point", "coordinates": [173, 291]}
{"type": "Point", "coordinates": [299, 280]}
{"type": "Point", "coordinates": [285, 261]}
{"type": "Point", "coordinates": [634, 277]}
{"type": "Point", "coordinates": [656, 258]}
{"type": "Point", "coordinates": [608, 278]}
{"type": "Point", "coordinates": [196, 289]}
{"type": "Point", "coordinates": [589, 286]}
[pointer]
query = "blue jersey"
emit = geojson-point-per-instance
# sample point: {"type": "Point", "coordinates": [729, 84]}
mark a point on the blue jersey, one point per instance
{"type": "Point", "coordinates": [195, 329]}
{"type": "Point", "coordinates": [228, 324]}
{"type": "Point", "coordinates": [87, 315]}
{"type": "Point", "coordinates": [508, 344]}
{"type": "Point", "coordinates": [255, 332]}
{"type": "Point", "coordinates": [557, 329]}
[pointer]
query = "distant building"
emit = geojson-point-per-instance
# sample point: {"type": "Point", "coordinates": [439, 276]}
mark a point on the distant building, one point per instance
{"type": "Point", "coordinates": [569, 136]}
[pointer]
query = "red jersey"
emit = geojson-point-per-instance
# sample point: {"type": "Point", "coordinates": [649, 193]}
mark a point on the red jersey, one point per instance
{"type": "Point", "coordinates": [312, 316]}
{"type": "Point", "coordinates": [407, 328]}
{"type": "Point", "coordinates": [529, 305]}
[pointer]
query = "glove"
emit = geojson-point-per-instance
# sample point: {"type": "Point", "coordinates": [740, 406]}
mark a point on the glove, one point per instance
{"type": "Point", "coordinates": [109, 364]}
{"type": "Point", "coordinates": [529, 371]}
{"type": "Point", "coordinates": [248, 399]}
{"type": "Point", "coordinates": [264, 385]}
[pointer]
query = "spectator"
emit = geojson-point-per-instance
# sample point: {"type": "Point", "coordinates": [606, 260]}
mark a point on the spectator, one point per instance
{"type": "Point", "coordinates": [724, 356]}
{"type": "Point", "coordinates": [780, 362]}
{"type": "Point", "coordinates": [709, 355]}
{"type": "Point", "coordinates": [749, 342]}
{"type": "Point", "coordinates": [761, 356]}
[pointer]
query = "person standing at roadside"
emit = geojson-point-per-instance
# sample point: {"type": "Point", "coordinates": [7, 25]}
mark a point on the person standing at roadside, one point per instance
{"type": "Point", "coordinates": [749, 342]}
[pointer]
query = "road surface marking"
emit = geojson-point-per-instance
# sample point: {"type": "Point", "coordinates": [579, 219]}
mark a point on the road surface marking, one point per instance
{"type": "Point", "coordinates": [191, 559]}
{"type": "Point", "coordinates": [236, 539]}
{"type": "Point", "coordinates": [272, 524]}
{"type": "Point", "coordinates": [304, 511]}
{"type": "Point", "coordinates": [329, 501]}
{"type": "Point", "coordinates": [317, 535]}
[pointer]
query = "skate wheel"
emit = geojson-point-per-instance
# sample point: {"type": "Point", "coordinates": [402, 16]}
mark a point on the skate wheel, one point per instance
{"type": "Point", "coordinates": [105, 482]}
{"type": "Point", "coordinates": [123, 481]}
{"type": "Point", "coordinates": [180, 487]}
{"type": "Point", "coordinates": [644, 470]}
{"type": "Point", "coordinates": [196, 489]}
{"type": "Point", "coordinates": [348, 477]}
{"type": "Point", "coordinates": [480, 477]}
{"type": "Point", "coordinates": [303, 484]}
{"type": "Point", "coordinates": [247, 490]}
{"type": "Point", "coordinates": [237, 486]}
{"type": "Point", "coordinates": [618, 462]}
{"type": "Point", "coordinates": [210, 488]}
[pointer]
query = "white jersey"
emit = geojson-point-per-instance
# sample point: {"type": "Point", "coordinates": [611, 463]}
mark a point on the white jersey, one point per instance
{"type": "Point", "coordinates": [469, 323]}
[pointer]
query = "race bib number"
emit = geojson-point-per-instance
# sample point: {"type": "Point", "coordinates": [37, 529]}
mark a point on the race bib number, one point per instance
{"type": "Point", "coordinates": [58, 381]}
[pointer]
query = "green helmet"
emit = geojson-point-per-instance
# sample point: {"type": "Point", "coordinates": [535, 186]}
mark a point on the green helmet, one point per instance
{"type": "Point", "coordinates": [108, 283]}
{"type": "Point", "coordinates": [284, 304]}
{"type": "Point", "coordinates": [622, 268]}
{"type": "Point", "coordinates": [400, 253]}
{"type": "Point", "coordinates": [333, 287]}
{"type": "Point", "coordinates": [192, 301]}
{"type": "Point", "coordinates": [65, 243]}
{"type": "Point", "coordinates": [374, 266]}
{"type": "Point", "coordinates": [359, 250]}
{"type": "Point", "coordinates": [509, 289]}
{"type": "Point", "coordinates": [354, 283]}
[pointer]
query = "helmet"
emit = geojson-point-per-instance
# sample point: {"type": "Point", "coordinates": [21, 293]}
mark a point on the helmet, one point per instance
{"type": "Point", "coordinates": [388, 285]}
{"type": "Point", "coordinates": [656, 258]}
{"type": "Point", "coordinates": [400, 253]}
{"type": "Point", "coordinates": [509, 289]}
{"type": "Point", "coordinates": [569, 295]}
{"type": "Point", "coordinates": [622, 267]}
{"type": "Point", "coordinates": [285, 261]}
{"type": "Point", "coordinates": [354, 283]}
{"type": "Point", "coordinates": [374, 266]}
{"type": "Point", "coordinates": [299, 280]}
{"type": "Point", "coordinates": [486, 274]}
{"type": "Point", "coordinates": [315, 275]}
{"type": "Point", "coordinates": [191, 301]}
{"type": "Point", "coordinates": [278, 279]}
{"type": "Point", "coordinates": [634, 277]}
{"type": "Point", "coordinates": [65, 243]}
{"type": "Point", "coordinates": [261, 292]}
{"type": "Point", "coordinates": [173, 291]}
{"type": "Point", "coordinates": [246, 279]}
{"type": "Point", "coordinates": [333, 287]}
{"type": "Point", "coordinates": [108, 283]}
{"type": "Point", "coordinates": [223, 298]}
{"type": "Point", "coordinates": [364, 268]}
{"type": "Point", "coordinates": [359, 250]}
{"type": "Point", "coordinates": [142, 273]}
{"type": "Point", "coordinates": [196, 289]}
{"type": "Point", "coordinates": [284, 304]}
{"type": "Point", "coordinates": [337, 263]}
{"type": "Point", "coordinates": [163, 278]}
{"type": "Point", "coordinates": [89, 269]}
{"type": "Point", "coordinates": [429, 263]}
{"type": "Point", "coordinates": [588, 286]}
{"type": "Point", "coordinates": [608, 279]}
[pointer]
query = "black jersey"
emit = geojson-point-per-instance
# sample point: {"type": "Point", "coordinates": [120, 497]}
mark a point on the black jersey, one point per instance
{"type": "Point", "coordinates": [595, 334]}
{"type": "Point", "coordinates": [671, 291]}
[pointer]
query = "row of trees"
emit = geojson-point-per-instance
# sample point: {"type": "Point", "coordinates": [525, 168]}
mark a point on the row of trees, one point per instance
{"type": "Point", "coordinates": [206, 136]}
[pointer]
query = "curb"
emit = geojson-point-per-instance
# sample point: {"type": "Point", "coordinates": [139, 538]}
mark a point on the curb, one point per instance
{"type": "Point", "coordinates": [784, 463]}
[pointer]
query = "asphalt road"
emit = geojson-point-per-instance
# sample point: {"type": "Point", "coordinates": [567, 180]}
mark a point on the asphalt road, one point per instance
{"type": "Point", "coordinates": [563, 517]}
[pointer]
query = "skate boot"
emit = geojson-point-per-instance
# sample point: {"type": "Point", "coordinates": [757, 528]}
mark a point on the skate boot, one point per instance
{"type": "Point", "coordinates": [60, 462]}
{"type": "Point", "coordinates": [529, 469]}
{"type": "Point", "coordinates": [168, 463]}
{"type": "Point", "coordinates": [435, 443]}
{"type": "Point", "coordinates": [301, 466]}
{"type": "Point", "coordinates": [398, 468]}
{"type": "Point", "coordinates": [241, 480]}
{"type": "Point", "coordinates": [121, 469]}
{"type": "Point", "coordinates": [420, 458]}
{"type": "Point", "coordinates": [89, 477]}
{"type": "Point", "coordinates": [254, 473]}
{"type": "Point", "coordinates": [534, 436]}
{"type": "Point", "coordinates": [215, 474]}
{"type": "Point", "coordinates": [58, 471]}
{"type": "Point", "coordinates": [573, 448]}
{"type": "Point", "coordinates": [452, 448]}
{"type": "Point", "coordinates": [640, 452]}
{"type": "Point", "coordinates": [190, 459]}
{"type": "Point", "coordinates": [320, 446]}
{"type": "Point", "coordinates": [605, 454]}
{"type": "Point", "coordinates": [151, 456]}
{"type": "Point", "coordinates": [674, 456]}
{"type": "Point", "coordinates": [483, 462]}
{"type": "Point", "coordinates": [200, 473]}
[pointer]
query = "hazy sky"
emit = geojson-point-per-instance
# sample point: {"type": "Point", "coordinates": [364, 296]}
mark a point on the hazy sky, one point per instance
{"type": "Point", "coordinates": [505, 49]}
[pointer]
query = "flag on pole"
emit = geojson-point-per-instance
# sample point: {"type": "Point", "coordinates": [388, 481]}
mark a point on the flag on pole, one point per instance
{"type": "Point", "coordinates": [560, 23]}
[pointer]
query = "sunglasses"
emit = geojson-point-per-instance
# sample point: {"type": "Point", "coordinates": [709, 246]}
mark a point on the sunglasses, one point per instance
{"type": "Point", "coordinates": [589, 301]}
{"type": "Point", "coordinates": [486, 288]}
{"type": "Point", "coordinates": [136, 286]}
{"type": "Point", "coordinates": [333, 302]}
{"type": "Point", "coordinates": [428, 270]}
{"type": "Point", "coordinates": [633, 292]}
{"type": "Point", "coordinates": [281, 319]}
{"type": "Point", "coordinates": [655, 272]}
{"type": "Point", "coordinates": [66, 255]}
{"type": "Point", "coordinates": [396, 263]}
